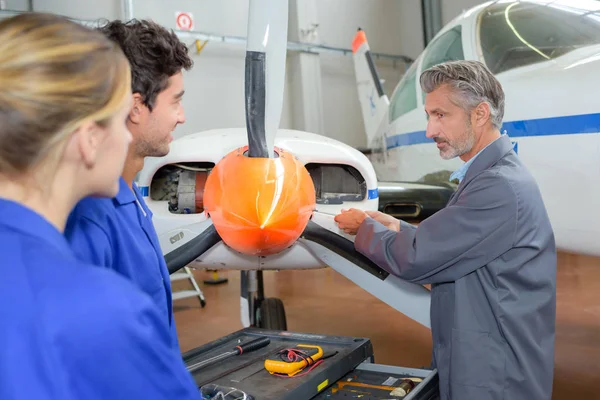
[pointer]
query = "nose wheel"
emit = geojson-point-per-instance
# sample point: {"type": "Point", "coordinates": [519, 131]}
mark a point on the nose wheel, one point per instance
{"type": "Point", "coordinates": [258, 311]}
{"type": "Point", "coordinates": [270, 314]}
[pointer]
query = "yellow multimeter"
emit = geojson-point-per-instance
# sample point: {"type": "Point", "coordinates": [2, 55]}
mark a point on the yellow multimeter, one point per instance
{"type": "Point", "coordinates": [293, 360]}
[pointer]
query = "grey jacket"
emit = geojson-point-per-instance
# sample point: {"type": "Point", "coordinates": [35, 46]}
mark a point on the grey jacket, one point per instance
{"type": "Point", "coordinates": [490, 256]}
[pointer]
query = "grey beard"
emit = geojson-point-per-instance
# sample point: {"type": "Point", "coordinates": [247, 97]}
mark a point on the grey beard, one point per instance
{"type": "Point", "coordinates": [458, 148]}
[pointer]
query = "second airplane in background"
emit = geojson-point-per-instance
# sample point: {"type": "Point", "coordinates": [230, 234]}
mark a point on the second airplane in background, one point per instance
{"type": "Point", "coordinates": [546, 55]}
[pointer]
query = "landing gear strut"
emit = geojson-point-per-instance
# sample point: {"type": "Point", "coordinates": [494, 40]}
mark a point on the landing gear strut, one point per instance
{"type": "Point", "coordinates": [256, 310]}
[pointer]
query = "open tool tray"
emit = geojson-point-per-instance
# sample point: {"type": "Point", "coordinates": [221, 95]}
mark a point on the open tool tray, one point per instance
{"type": "Point", "coordinates": [246, 372]}
{"type": "Point", "coordinates": [374, 381]}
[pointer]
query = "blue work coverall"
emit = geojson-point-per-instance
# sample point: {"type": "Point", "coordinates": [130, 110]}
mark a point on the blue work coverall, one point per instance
{"type": "Point", "coordinates": [74, 331]}
{"type": "Point", "coordinates": [118, 234]}
{"type": "Point", "coordinates": [490, 256]}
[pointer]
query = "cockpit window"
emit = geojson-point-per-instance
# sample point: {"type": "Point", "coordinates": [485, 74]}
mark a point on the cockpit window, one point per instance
{"type": "Point", "coordinates": [404, 98]}
{"type": "Point", "coordinates": [447, 47]}
{"type": "Point", "coordinates": [515, 34]}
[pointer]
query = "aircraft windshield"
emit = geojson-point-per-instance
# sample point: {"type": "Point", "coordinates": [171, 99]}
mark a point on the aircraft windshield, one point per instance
{"type": "Point", "coordinates": [515, 34]}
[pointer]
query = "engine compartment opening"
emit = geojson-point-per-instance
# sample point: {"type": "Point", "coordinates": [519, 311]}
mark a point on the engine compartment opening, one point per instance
{"type": "Point", "coordinates": [337, 183]}
{"type": "Point", "coordinates": [182, 185]}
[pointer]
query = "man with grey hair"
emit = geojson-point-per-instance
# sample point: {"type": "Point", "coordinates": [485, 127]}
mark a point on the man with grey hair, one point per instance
{"type": "Point", "coordinates": [489, 255]}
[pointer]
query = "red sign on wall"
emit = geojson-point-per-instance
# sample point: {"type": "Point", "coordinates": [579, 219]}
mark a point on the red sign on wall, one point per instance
{"type": "Point", "coordinates": [184, 21]}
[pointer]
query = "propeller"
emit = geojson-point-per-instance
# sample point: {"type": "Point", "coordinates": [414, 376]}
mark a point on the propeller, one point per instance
{"type": "Point", "coordinates": [259, 197]}
{"type": "Point", "coordinates": [265, 73]}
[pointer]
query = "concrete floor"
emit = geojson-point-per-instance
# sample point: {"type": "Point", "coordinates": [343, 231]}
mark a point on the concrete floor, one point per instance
{"type": "Point", "coordinates": [322, 301]}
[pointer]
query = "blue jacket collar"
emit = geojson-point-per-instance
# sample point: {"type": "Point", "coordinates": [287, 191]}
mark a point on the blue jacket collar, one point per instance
{"type": "Point", "coordinates": [125, 195]}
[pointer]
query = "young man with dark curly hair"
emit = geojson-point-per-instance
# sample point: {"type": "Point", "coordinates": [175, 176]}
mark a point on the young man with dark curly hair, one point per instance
{"type": "Point", "coordinates": [118, 233]}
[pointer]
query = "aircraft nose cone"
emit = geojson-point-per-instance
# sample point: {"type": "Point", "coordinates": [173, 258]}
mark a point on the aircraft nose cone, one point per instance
{"type": "Point", "coordinates": [259, 206]}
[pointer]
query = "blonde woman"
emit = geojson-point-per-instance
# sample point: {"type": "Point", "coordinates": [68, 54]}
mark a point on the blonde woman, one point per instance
{"type": "Point", "coordinates": [68, 330]}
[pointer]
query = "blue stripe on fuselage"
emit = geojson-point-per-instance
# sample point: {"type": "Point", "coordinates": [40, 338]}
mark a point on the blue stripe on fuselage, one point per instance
{"type": "Point", "coordinates": [569, 125]}
{"type": "Point", "coordinates": [373, 193]}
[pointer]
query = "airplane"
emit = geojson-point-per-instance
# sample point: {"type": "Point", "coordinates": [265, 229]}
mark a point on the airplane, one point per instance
{"type": "Point", "coordinates": [262, 198]}
{"type": "Point", "coordinates": [200, 226]}
{"type": "Point", "coordinates": [546, 55]}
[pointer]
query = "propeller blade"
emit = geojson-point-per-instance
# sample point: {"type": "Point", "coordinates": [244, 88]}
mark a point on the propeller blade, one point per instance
{"type": "Point", "coordinates": [265, 73]}
{"type": "Point", "coordinates": [193, 249]}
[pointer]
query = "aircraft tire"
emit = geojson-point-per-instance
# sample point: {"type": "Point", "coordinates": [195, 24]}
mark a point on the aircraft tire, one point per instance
{"type": "Point", "coordinates": [271, 315]}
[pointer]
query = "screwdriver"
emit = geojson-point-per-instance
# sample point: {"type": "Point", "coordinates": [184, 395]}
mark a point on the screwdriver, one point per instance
{"type": "Point", "coordinates": [237, 350]}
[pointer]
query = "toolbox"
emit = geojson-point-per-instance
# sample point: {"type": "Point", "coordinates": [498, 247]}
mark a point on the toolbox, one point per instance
{"type": "Point", "coordinates": [371, 381]}
{"type": "Point", "coordinates": [344, 369]}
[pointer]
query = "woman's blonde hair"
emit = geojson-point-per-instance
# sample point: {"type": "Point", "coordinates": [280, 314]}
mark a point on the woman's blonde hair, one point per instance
{"type": "Point", "coordinates": [55, 74]}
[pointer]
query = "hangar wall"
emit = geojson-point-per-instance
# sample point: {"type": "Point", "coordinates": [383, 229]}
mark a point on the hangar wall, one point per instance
{"type": "Point", "coordinates": [215, 86]}
{"type": "Point", "coordinates": [340, 20]}
{"type": "Point", "coordinates": [215, 95]}
{"type": "Point", "coordinates": [15, 5]}
{"type": "Point", "coordinates": [215, 98]}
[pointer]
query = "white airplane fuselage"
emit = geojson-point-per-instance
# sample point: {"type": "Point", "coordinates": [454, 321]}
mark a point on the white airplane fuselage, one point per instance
{"type": "Point", "coordinates": [552, 115]}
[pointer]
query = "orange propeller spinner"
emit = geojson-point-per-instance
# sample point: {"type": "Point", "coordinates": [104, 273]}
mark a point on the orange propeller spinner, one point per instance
{"type": "Point", "coordinates": [259, 206]}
